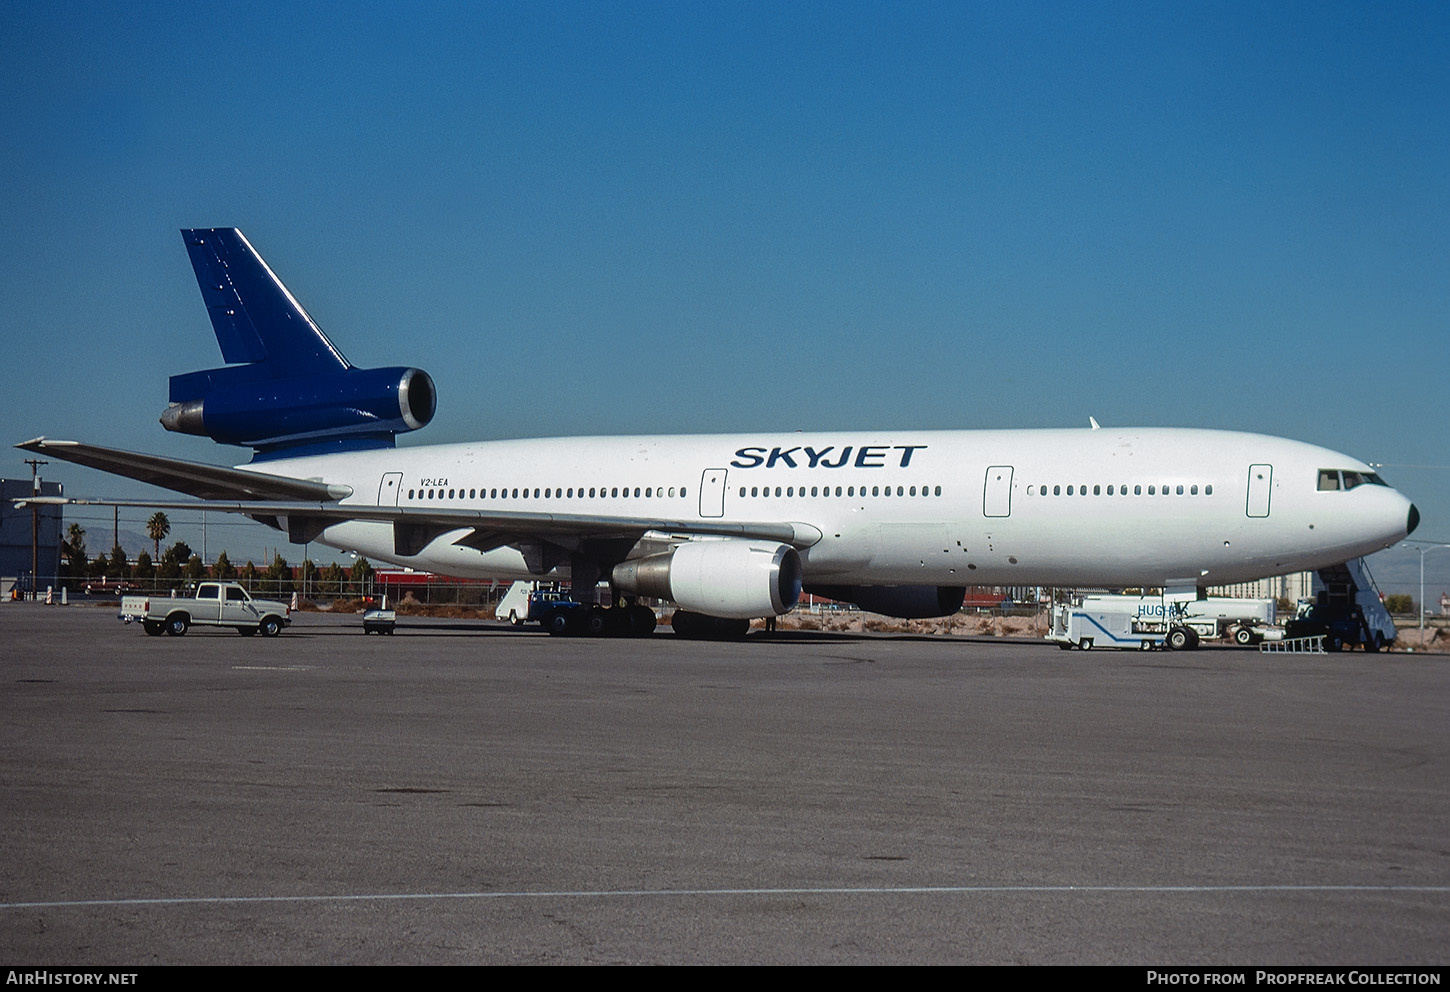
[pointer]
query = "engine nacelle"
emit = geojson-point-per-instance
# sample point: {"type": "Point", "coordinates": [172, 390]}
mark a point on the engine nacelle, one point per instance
{"type": "Point", "coordinates": [733, 578]}
{"type": "Point", "coordinates": [906, 602]}
{"type": "Point", "coordinates": [262, 412]}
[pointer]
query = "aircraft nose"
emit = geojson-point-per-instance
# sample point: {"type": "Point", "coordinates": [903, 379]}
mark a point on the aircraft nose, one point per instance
{"type": "Point", "coordinates": [1412, 521]}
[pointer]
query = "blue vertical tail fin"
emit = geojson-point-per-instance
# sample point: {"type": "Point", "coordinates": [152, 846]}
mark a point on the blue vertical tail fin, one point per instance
{"type": "Point", "coordinates": [255, 317]}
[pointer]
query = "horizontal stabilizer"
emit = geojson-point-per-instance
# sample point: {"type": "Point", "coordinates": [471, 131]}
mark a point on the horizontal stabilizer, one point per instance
{"type": "Point", "coordinates": [193, 478]}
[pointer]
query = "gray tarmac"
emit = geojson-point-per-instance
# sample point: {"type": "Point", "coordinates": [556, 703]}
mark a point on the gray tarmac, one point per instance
{"type": "Point", "coordinates": [471, 793]}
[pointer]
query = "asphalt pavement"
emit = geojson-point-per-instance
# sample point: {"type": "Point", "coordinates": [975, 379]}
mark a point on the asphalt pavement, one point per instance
{"type": "Point", "coordinates": [465, 792]}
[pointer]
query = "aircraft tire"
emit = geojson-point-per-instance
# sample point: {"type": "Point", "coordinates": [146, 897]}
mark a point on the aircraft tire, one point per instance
{"type": "Point", "coordinates": [729, 630]}
{"type": "Point", "coordinates": [641, 621]}
{"type": "Point", "coordinates": [701, 627]}
{"type": "Point", "coordinates": [686, 624]}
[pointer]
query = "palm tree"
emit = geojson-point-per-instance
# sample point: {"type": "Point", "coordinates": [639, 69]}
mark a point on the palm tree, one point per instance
{"type": "Point", "coordinates": [157, 528]}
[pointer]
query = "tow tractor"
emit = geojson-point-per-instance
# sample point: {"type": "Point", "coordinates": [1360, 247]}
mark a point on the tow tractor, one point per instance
{"type": "Point", "coordinates": [560, 613]}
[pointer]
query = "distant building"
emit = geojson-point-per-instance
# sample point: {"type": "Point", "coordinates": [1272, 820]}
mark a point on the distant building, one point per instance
{"type": "Point", "coordinates": [1293, 587]}
{"type": "Point", "coordinates": [15, 532]}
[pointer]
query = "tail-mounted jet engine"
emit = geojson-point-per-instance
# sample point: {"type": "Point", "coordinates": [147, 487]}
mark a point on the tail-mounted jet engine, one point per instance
{"type": "Point", "coordinates": [264, 412]}
{"type": "Point", "coordinates": [730, 577]}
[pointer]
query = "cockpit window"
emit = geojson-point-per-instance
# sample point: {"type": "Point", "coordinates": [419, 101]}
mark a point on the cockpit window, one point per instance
{"type": "Point", "coordinates": [1333, 480]}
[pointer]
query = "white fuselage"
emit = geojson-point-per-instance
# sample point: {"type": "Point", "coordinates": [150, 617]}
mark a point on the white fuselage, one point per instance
{"type": "Point", "coordinates": [1153, 506]}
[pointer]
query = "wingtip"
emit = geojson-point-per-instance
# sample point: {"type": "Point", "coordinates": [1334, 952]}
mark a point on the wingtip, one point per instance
{"type": "Point", "coordinates": [42, 442]}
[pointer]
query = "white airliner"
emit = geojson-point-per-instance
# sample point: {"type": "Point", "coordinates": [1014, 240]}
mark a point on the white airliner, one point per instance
{"type": "Point", "coordinates": [732, 526]}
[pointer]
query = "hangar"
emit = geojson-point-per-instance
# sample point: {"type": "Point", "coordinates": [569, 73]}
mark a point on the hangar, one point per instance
{"type": "Point", "coordinates": [15, 535]}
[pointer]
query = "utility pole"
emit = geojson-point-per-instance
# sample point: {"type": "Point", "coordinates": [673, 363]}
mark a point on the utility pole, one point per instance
{"type": "Point", "coordinates": [35, 464]}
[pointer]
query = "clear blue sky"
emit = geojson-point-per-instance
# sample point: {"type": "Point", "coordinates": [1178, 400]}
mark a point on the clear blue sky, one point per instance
{"type": "Point", "coordinates": [638, 217]}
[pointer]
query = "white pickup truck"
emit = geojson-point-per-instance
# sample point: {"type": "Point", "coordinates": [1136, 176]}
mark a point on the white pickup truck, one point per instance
{"type": "Point", "coordinates": [217, 604]}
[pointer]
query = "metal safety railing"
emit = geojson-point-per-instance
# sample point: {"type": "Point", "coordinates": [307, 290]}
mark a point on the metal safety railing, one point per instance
{"type": "Point", "coordinates": [1295, 645]}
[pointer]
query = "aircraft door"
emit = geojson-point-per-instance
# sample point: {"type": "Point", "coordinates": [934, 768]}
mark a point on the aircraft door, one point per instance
{"type": "Point", "coordinates": [712, 493]}
{"type": "Point", "coordinates": [1261, 479]}
{"type": "Point", "coordinates": [997, 492]}
{"type": "Point", "coordinates": [390, 488]}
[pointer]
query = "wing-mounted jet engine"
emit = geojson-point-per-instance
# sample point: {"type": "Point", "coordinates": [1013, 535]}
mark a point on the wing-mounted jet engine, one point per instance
{"type": "Point", "coordinates": [286, 389]}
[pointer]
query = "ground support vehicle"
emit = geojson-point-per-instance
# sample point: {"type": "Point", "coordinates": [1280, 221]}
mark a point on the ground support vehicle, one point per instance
{"type": "Point", "coordinates": [216, 604]}
{"type": "Point", "coordinates": [1085, 626]}
{"type": "Point", "coordinates": [1178, 623]}
{"type": "Point", "coordinates": [514, 606]}
{"type": "Point", "coordinates": [560, 614]}
{"type": "Point", "coordinates": [379, 621]}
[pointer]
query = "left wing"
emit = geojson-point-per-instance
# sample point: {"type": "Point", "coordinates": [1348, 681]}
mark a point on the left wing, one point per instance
{"type": "Point", "coordinates": [304, 508]}
{"type": "Point", "coordinates": [414, 528]}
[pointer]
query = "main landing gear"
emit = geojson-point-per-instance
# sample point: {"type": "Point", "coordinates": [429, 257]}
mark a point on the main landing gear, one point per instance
{"type": "Point", "coordinates": [700, 627]}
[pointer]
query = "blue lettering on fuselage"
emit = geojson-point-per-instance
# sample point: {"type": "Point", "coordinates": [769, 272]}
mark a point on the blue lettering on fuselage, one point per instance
{"type": "Point", "coordinates": [867, 456]}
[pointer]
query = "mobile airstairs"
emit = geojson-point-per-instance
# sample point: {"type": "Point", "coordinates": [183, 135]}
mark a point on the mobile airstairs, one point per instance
{"type": "Point", "coordinates": [1346, 610]}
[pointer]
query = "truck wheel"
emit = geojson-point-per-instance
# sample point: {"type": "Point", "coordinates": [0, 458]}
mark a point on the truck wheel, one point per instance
{"type": "Point", "coordinates": [176, 626]}
{"type": "Point", "coordinates": [557, 623]}
{"type": "Point", "coordinates": [1086, 644]}
{"type": "Point", "coordinates": [1181, 639]}
{"type": "Point", "coordinates": [515, 619]}
{"type": "Point", "coordinates": [270, 627]}
{"type": "Point", "coordinates": [1332, 642]}
{"type": "Point", "coordinates": [153, 627]}
{"type": "Point", "coordinates": [596, 623]}
{"type": "Point", "coordinates": [1243, 636]}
